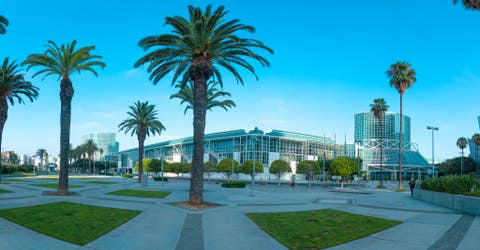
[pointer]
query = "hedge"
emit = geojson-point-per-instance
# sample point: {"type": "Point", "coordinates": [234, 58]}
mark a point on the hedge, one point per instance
{"type": "Point", "coordinates": [233, 184]}
{"type": "Point", "coordinates": [159, 178]}
{"type": "Point", "coordinates": [127, 175]}
{"type": "Point", "coordinates": [7, 168]}
{"type": "Point", "coordinates": [454, 184]}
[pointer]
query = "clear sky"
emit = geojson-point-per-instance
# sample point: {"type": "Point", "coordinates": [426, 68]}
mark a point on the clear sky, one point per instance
{"type": "Point", "coordinates": [329, 63]}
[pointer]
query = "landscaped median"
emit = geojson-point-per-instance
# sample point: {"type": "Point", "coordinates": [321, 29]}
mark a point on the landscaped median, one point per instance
{"type": "Point", "coordinates": [5, 191]}
{"type": "Point", "coordinates": [141, 193]}
{"type": "Point", "coordinates": [76, 223]}
{"type": "Point", "coordinates": [54, 185]}
{"type": "Point", "coordinates": [318, 229]}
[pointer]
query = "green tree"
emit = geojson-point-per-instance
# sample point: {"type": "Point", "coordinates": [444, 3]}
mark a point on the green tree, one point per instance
{"type": "Point", "coordinates": [451, 166]}
{"type": "Point", "coordinates": [247, 168]}
{"type": "Point", "coordinates": [378, 108]}
{"type": "Point", "coordinates": [156, 166]}
{"type": "Point", "coordinates": [225, 167]}
{"type": "Point", "coordinates": [196, 50]}
{"type": "Point", "coordinates": [13, 88]}
{"type": "Point", "coordinates": [90, 148]}
{"type": "Point", "coordinates": [176, 167]}
{"type": "Point", "coordinates": [3, 25]}
{"type": "Point", "coordinates": [41, 153]}
{"type": "Point", "coordinates": [309, 168]}
{"type": "Point", "coordinates": [462, 144]}
{"type": "Point", "coordinates": [476, 141]}
{"type": "Point", "coordinates": [185, 94]}
{"type": "Point", "coordinates": [279, 168]}
{"type": "Point", "coordinates": [63, 61]}
{"type": "Point", "coordinates": [402, 77]}
{"type": "Point", "coordinates": [209, 167]}
{"type": "Point", "coordinates": [469, 4]}
{"type": "Point", "coordinates": [143, 122]}
{"type": "Point", "coordinates": [146, 165]}
{"type": "Point", "coordinates": [344, 166]}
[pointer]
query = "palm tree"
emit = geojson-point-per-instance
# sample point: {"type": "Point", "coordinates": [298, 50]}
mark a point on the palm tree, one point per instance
{"type": "Point", "coordinates": [100, 150]}
{"type": "Point", "coordinates": [462, 144]}
{"type": "Point", "coordinates": [185, 94]}
{"type": "Point", "coordinates": [195, 51]}
{"type": "Point", "coordinates": [63, 61]}
{"type": "Point", "coordinates": [90, 148]}
{"type": "Point", "coordinates": [402, 76]}
{"type": "Point", "coordinates": [3, 25]}
{"type": "Point", "coordinates": [13, 88]}
{"type": "Point", "coordinates": [470, 4]}
{"type": "Point", "coordinates": [143, 121]}
{"type": "Point", "coordinates": [41, 154]}
{"type": "Point", "coordinates": [378, 108]}
{"type": "Point", "coordinates": [476, 141]}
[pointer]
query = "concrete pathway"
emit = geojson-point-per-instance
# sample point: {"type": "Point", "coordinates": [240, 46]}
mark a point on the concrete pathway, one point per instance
{"type": "Point", "coordinates": [163, 226]}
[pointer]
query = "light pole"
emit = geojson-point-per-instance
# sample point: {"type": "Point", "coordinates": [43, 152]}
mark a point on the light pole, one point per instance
{"type": "Point", "coordinates": [433, 148]}
{"type": "Point", "coordinates": [233, 161]}
{"type": "Point", "coordinates": [255, 139]}
{"type": "Point", "coordinates": [161, 166]}
{"type": "Point", "coordinates": [358, 160]}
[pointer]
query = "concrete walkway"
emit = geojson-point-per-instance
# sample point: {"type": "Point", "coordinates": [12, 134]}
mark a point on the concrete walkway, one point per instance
{"type": "Point", "coordinates": [163, 226]}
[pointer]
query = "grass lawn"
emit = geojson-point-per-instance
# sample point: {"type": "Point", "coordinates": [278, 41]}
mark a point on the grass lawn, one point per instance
{"type": "Point", "coordinates": [102, 182]}
{"type": "Point", "coordinates": [55, 185]}
{"type": "Point", "coordinates": [12, 180]}
{"type": "Point", "coordinates": [140, 193]}
{"type": "Point", "coordinates": [67, 221]}
{"type": "Point", "coordinates": [5, 191]}
{"type": "Point", "coordinates": [318, 229]}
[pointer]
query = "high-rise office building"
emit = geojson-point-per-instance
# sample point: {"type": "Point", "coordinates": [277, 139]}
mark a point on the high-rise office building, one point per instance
{"type": "Point", "coordinates": [105, 141]}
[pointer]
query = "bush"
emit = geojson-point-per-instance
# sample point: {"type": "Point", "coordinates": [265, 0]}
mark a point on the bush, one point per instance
{"type": "Point", "coordinates": [454, 184]}
{"type": "Point", "coordinates": [159, 178]}
{"type": "Point", "coordinates": [110, 174]}
{"type": "Point", "coordinates": [233, 184]}
{"type": "Point", "coordinates": [127, 175]}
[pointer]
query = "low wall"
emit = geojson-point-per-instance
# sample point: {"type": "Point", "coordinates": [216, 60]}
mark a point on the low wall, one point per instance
{"type": "Point", "coordinates": [465, 204]}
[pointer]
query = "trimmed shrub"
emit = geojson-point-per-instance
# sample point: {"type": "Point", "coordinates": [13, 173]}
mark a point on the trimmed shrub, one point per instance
{"type": "Point", "coordinates": [159, 178]}
{"type": "Point", "coordinates": [233, 184]}
{"type": "Point", "coordinates": [127, 175]}
{"type": "Point", "coordinates": [454, 184]}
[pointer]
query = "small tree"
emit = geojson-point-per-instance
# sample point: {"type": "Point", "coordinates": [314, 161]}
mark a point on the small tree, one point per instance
{"type": "Point", "coordinates": [209, 167]}
{"type": "Point", "coordinates": [186, 167]}
{"type": "Point", "coordinates": [278, 168]}
{"type": "Point", "coordinates": [343, 166]}
{"type": "Point", "coordinates": [309, 168]}
{"type": "Point", "coordinates": [155, 166]}
{"type": "Point", "coordinates": [176, 167]}
{"type": "Point", "coordinates": [225, 167]}
{"type": "Point", "coordinates": [247, 168]}
{"type": "Point", "coordinates": [146, 165]}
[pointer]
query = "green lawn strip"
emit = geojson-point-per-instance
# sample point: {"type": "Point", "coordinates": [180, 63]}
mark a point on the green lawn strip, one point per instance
{"type": "Point", "coordinates": [12, 180]}
{"type": "Point", "coordinates": [54, 185]}
{"type": "Point", "coordinates": [67, 221]}
{"type": "Point", "coordinates": [140, 193]}
{"type": "Point", "coordinates": [102, 182]}
{"type": "Point", "coordinates": [318, 229]}
{"type": "Point", "coordinates": [2, 191]}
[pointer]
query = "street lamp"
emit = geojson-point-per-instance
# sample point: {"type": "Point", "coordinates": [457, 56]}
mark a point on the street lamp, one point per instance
{"type": "Point", "coordinates": [255, 140]}
{"type": "Point", "coordinates": [433, 149]}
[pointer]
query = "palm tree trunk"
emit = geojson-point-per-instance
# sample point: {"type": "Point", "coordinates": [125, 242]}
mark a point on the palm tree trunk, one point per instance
{"type": "Point", "coordinates": [3, 119]}
{"type": "Point", "coordinates": [461, 164]}
{"type": "Point", "coordinates": [199, 116]}
{"type": "Point", "coordinates": [141, 140]}
{"type": "Point", "coordinates": [381, 151]}
{"type": "Point", "coordinates": [66, 94]}
{"type": "Point", "coordinates": [400, 145]}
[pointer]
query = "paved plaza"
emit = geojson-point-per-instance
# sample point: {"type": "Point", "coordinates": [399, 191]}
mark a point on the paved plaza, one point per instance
{"type": "Point", "coordinates": [163, 226]}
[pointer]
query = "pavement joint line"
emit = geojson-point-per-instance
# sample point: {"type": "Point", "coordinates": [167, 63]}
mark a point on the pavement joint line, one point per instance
{"type": "Point", "coordinates": [191, 236]}
{"type": "Point", "coordinates": [454, 235]}
{"type": "Point", "coordinates": [271, 204]}
{"type": "Point", "coordinates": [119, 200]}
{"type": "Point", "coordinates": [406, 209]}
{"type": "Point", "coordinates": [26, 187]}
{"type": "Point", "coordinates": [19, 197]}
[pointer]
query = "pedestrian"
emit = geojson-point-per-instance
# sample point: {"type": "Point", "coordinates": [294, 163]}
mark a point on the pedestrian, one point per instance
{"type": "Point", "coordinates": [411, 183]}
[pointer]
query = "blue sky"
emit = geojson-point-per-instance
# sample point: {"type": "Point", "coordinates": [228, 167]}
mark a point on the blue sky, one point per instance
{"type": "Point", "coordinates": [329, 63]}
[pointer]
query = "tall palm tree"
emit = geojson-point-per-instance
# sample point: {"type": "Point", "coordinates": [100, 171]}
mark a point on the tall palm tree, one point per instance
{"type": "Point", "coordinates": [378, 108]}
{"type": "Point", "coordinates": [143, 121]}
{"type": "Point", "coordinates": [476, 141]}
{"type": "Point", "coordinates": [63, 61]}
{"type": "Point", "coordinates": [41, 152]}
{"type": "Point", "coordinates": [462, 144]}
{"type": "Point", "coordinates": [402, 76]}
{"type": "Point", "coordinates": [470, 4]}
{"type": "Point", "coordinates": [185, 94]}
{"type": "Point", "coordinates": [196, 50]}
{"type": "Point", "coordinates": [13, 88]}
{"type": "Point", "coordinates": [90, 148]}
{"type": "Point", "coordinates": [3, 25]}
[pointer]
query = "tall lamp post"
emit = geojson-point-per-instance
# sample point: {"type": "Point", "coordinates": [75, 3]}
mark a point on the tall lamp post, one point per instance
{"type": "Point", "coordinates": [255, 139]}
{"type": "Point", "coordinates": [433, 148]}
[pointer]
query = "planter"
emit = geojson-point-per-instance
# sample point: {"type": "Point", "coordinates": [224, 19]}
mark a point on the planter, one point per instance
{"type": "Point", "coordinates": [464, 204]}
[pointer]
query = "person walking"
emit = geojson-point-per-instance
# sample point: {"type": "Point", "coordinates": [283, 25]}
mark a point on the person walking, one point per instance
{"type": "Point", "coordinates": [411, 183]}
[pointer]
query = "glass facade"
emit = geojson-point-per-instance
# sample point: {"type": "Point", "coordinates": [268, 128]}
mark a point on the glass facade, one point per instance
{"type": "Point", "coordinates": [242, 146]}
{"type": "Point", "coordinates": [368, 142]}
{"type": "Point", "coordinates": [105, 141]}
{"type": "Point", "coordinates": [473, 148]}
